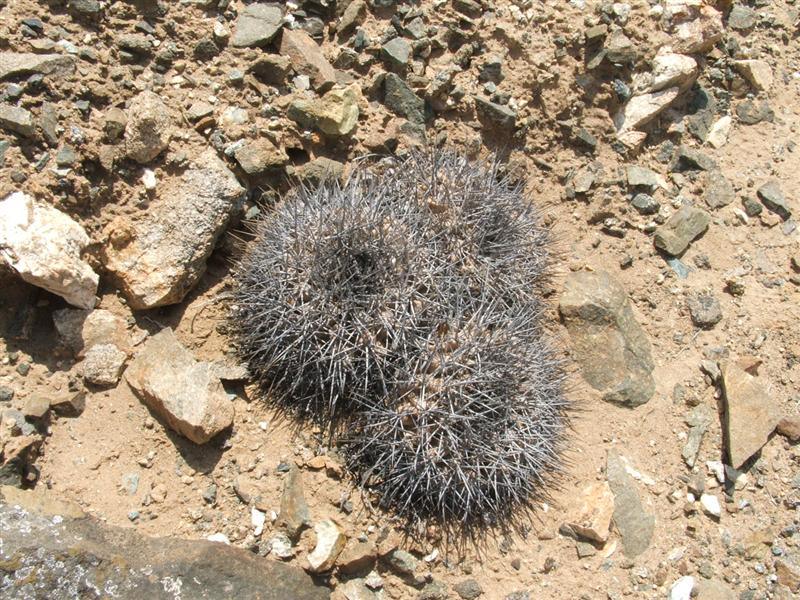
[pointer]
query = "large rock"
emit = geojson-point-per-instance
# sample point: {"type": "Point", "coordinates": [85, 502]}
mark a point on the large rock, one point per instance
{"type": "Point", "coordinates": [635, 525]}
{"type": "Point", "coordinates": [182, 391]}
{"type": "Point", "coordinates": [670, 70]}
{"type": "Point", "coordinates": [52, 549]}
{"type": "Point", "coordinates": [44, 246]}
{"type": "Point", "coordinates": [13, 64]}
{"type": "Point", "coordinates": [257, 25]}
{"type": "Point", "coordinates": [750, 414]}
{"type": "Point", "coordinates": [642, 109]}
{"type": "Point", "coordinates": [157, 260]}
{"type": "Point", "coordinates": [149, 127]}
{"type": "Point", "coordinates": [307, 58]}
{"type": "Point", "coordinates": [16, 120]}
{"type": "Point", "coordinates": [259, 156]}
{"type": "Point", "coordinates": [607, 341]}
{"type": "Point", "coordinates": [335, 114]}
{"type": "Point", "coordinates": [402, 100]}
{"type": "Point", "coordinates": [674, 236]}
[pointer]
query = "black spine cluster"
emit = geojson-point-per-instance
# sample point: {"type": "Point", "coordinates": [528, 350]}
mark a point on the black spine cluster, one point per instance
{"type": "Point", "coordinates": [401, 311]}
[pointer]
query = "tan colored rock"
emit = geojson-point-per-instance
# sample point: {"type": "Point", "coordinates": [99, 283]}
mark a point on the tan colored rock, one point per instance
{"type": "Point", "coordinates": [148, 129]}
{"type": "Point", "coordinates": [13, 64]}
{"type": "Point", "coordinates": [335, 114]}
{"type": "Point", "coordinates": [788, 574]}
{"type": "Point", "coordinates": [44, 246]}
{"type": "Point", "coordinates": [330, 542]}
{"type": "Point", "coordinates": [789, 427]}
{"type": "Point", "coordinates": [157, 260]}
{"type": "Point", "coordinates": [719, 131]}
{"type": "Point", "coordinates": [357, 557]}
{"type": "Point", "coordinates": [307, 58]}
{"type": "Point", "coordinates": [750, 416]}
{"type": "Point", "coordinates": [82, 329]}
{"type": "Point", "coordinates": [294, 515]}
{"type": "Point", "coordinates": [671, 70]}
{"type": "Point", "coordinates": [593, 518]}
{"type": "Point", "coordinates": [103, 364]}
{"type": "Point", "coordinates": [181, 390]}
{"type": "Point", "coordinates": [757, 72]}
{"type": "Point", "coordinates": [642, 109]}
{"type": "Point", "coordinates": [699, 34]}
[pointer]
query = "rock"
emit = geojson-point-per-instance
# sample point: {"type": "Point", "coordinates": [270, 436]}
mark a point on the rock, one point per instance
{"type": "Point", "coordinates": [36, 406]}
{"type": "Point", "coordinates": [330, 541]}
{"type": "Point", "coordinates": [634, 524]}
{"type": "Point", "coordinates": [773, 198]}
{"type": "Point", "coordinates": [136, 44]}
{"type": "Point", "coordinates": [788, 574]}
{"type": "Point", "coordinates": [704, 310]}
{"type": "Point", "coordinates": [497, 114]}
{"type": "Point", "coordinates": [469, 589]}
{"type": "Point", "coordinates": [714, 590]}
{"type": "Point", "coordinates": [335, 114]}
{"type": "Point", "coordinates": [719, 191]}
{"type": "Point", "coordinates": [69, 550]}
{"type": "Point", "coordinates": [114, 123]}
{"type": "Point", "coordinates": [16, 120]}
{"type": "Point", "coordinates": [396, 53]}
{"type": "Point", "coordinates": [44, 245]}
{"type": "Point", "coordinates": [682, 589]}
{"type": "Point", "coordinates": [256, 25]}
{"type": "Point", "coordinates": [757, 72]}
{"type": "Point", "coordinates": [640, 110]}
{"type": "Point", "coordinates": [643, 177]}
{"type": "Point", "coordinates": [710, 504]}
{"type": "Point", "coordinates": [671, 70]}
{"type": "Point", "coordinates": [90, 8]}
{"type": "Point", "coordinates": [593, 518]}
{"type": "Point", "coordinates": [698, 420]}
{"type": "Point", "coordinates": [178, 388]}
{"type": "Point", "coordinates": [435, 590]}
{"type": "Point", "coordinates": [294, 515]}
{"type": "Point", "coordinates": [357, 557]}
{"type": "Point", "coordinates": [320, 169]}
{"type": "Point", "coordinates": [157, 260]}
{"type": "Point", "coordinates": [719, 131]}
{"type": "Point", "coordinates": [81, 329]}
{"type": "Point", "coordinates": [272, 69]}
{"type": "Point", "coordinates": [619, 48]}
{"type": "Point", "coordinates": [645, 204]}
{"type": "Point", "coordinates": [402, 563]}
{"type": "Point", "coordinates": [281, 546]}
{"type": "Point", "coordinates": [610, 346]}
{"type": "Point", "coordinates": [789, 427]}
{"type": "Point", "coordinates": [674, 236]}
{"type": "Point", "coordinates": [402, 100]}
{"type": "Point", "coordinates": [259, 156]}
{"type": "Point", "coordinates": [103, 364]}
{"type": "Point", "coordinates": [699, 34]}
{"type": "Point", "coordinates": [13, 64]}
{"type": "Point", "coordinates": [356, 589]}
{"type": "Point", "coordinates": [688, 159]}
{"type": "Point", "coordinates": [307, 59]}
{"type": "Point", "coordinates": [354, 14]}
{"type": "Point", "coordinates": [750, 414]}
{"type": "Point", "coordinates": [148, 129]}
{"type": "Point", "coordinates": [751, 112]}
{"type": "Point", "coordinates": [742, 18]}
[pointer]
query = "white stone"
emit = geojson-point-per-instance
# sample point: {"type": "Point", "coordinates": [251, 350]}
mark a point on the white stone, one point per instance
{"type": "Point", "coordinates": [149, 180]}
{"type": "Point", "coordinates": [44, 246]}
{"type": "Point", "coordinates": [670, 69]}
{"type": "Point", "coordinates": [711, 505]}
{"type": "Point", "coordinates": [682, 589]}
{"type": "Point", "coordinates": [330, 542]}
{"type": "Point", "coordinates": [257, 519]}
{"type": "Point", "coordinates": [233, 115]}
{"type": "Point", "coordinates": [757, 72]}
{"type": "Point", "coordinates": [103, 364]}
{"type": "Point", "coordinates": [281, 546]}
{"type": "Point", "coordinates": [220, 538]}
{"type": "Point", "coordinates": [719, 131]}
{"type": "Point", "coordinates": [642, 109]}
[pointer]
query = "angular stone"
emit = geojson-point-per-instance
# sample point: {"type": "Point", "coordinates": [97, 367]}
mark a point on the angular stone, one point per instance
{"type": "Point", "coordinates": [307, 59]}
{"type": "Point", "coordinates": [356, 589]}
{"type": "Point", "coordinates": [82, 329]}
{"type": "Point", "coordinates": [750, 414]}
{"type": "Point", "coordinates": [757, 72]}
{"type": "Point", "coordinates": [294, 515]}
{"type": "Point", "coordinates": [330, 541]}
{"type": "Point", "coordinates": [719, 191]}
{"type": "Point", "coordinates": [742, 18]}
{"type": "Point", "coordinates": [69, 550]}
{"type": "Point", "coordinates": [320, 169]}
{"type": "Point", "coordinates": [181, 390]}
{"type": "Point", "coordinates": [719, 131]}
{"type": "Point", "coordinates": [335, 114]}
{"type": "Point", "coordinates": [642, 109]}
{"type": "Point", "coordinates": [402, 563]}
{"type": "Point", "coordinates": [643, 177]}
{"type": "Point", "coordinates": [16, 120]}
{"type": "Point", "coordinates": [13, 64]}
{"type": "Point", "coordinates": [788, 573]}
{"type": "Point", "coordinates": [751, 112]}
{"type": "Point", "coordinates": [610, 346]}
{"type": "Point", "coordinates": [396, 53]}
{"type": "Point", "coordinates": [157, 260]}
{"type": "Point", "coordinates": [498, 114]}
{"type": "Point", "coordinates": [103, 364]}
{"type": "Point", "coordinates": [148, 129]}
{"type": "Point", "coordinates": [690, 159]}
{"type": "Point", "coordinates": [44, 245]}
{"type": "Point", "coordinates": [256, 25]}
{"type": "Point", "coordinates": [773, 198]}
{"type": "Point", "coordinates": [353, 15]}
{"type": "Point", "coordinates": [272, 69]}
{"type": "Point", "coordinates": [36, 406]}
{"type": "Point", "coordinates": [259, 156]}
{"type": "Point", "coordinates": [357, 557]}
{"type": "Point", "coordinates": [704, 310]}
{"type": "Point", "coordinates": [402, 100]}
{"type": "Point", "coordinates": [619, 48]}
{"type": "Point", "coordinates": [670, 70]}
{"type": "Point", "coordinates": [674, 236]}
{"type": "Point", "coordinates": [593, 518]}
{"type": "Point", "coordinates": [682, 588]}
{"type": "Point", "coordinates": [634, 524]}
{"type": "Point", "coordinates": [698, 35]}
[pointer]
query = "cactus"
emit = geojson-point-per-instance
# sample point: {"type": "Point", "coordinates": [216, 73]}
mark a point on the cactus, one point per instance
{"type": "Point", "coordinates": [401, 311]}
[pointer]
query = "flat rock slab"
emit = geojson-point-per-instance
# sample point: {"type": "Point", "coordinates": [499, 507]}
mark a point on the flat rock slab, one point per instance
{"type": "Point", "coordinates": [606, 339]}
{"type": "Point", "coordinates": [157, 260]}
{"type": "Point", "coordinates": [257, 25]}
{"type": "Point", "coordinates": [634, 524]}
{"type": "Point", "coordinates": [640, 110]}
{"type": "Point", "coordinates": [44, 246]}
{"type": "Point", "coordinates": [307, 58]}
{"type": "Point", "coordinates": [52, 550]}
{"type": "Point", "coordinates": [182, 391]}
{"type": "Point", "coordinates": [751, 414]}
{"type": "Point", "coordinates": [14, 64]}
{"type": "Point", "coordinates": [674, 236]}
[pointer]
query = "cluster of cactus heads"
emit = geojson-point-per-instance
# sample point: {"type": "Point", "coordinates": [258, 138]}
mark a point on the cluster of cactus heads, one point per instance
{"type": "Point", "coordinates": [400, 310]}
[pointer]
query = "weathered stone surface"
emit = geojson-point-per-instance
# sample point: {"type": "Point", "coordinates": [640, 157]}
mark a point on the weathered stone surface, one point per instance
{"type": "Point", "coordinates": [353, 15]}
{"type": "Point", "coordinates": [674, 236]}
{"type": "Point", "coordinates": [16, 120]}
{"type": "Point", "coordinates": [592, 520]}
{"type": "Point", "coordinates": [757, 72]}
{"type": "Point", "coordinates": [789, 427]}
{"type": "Point", "coordinates": [294, 515]}
{"type": "Point", "coordinates": [396, 53]}
{"type": "Point", "coordinates": [157, 260]}
{"type": "Point", "coordinates": [82, 329]}
{"type": "Point", "coordinates": [402, 100]}
{"type": "Point", "coordinates": [612, 349]}
{"type": "Point", "coordinates": [356, 589]}
{"type": "Point", "coordinates": [671, 70]}
{"type": "Point", "coordinates": [705, 310]}
{"type": "Point", "coordinates": [640, 110]}
{"type": "Point", "coordinates": [469, 589]}
{"type": "Point", "coordinates": [788, 573]}
{"type": "Point", "coordinates": [402, 562]}
{"type": "Point", "coordinates": [320, 169]}
{"type": "Point", "coordinates": [498, 114]}
{"type": "Point", "coordinates": [714, 589]}
{"type": "Point", "coordinates": [44, 245]}
{"type": "Point", "coordinates": [181, 390]}
{"type": "Point", "coordinates": [330, 541]}
{"type": "Point", "coordinates": [259, 156]}
{"type": "Point", "coordinates": [103, 364]}
{"type": "Point", "coordinates": [335, 114]}
{"type": "Point", "coordinates": [357, 557]}
{"type": "Point", "coordinates": [639, 176]}
{"type": "Point", "coordinates": [750, 414]}
{"type": "Point", "coordinates": [13, 64]}
{"type": "Point", "coordinates": [634, 524]}
{"type": "Point", "coordinates": [148, 129]}
{"type": "Point", "coordinates": [698, 35]}
{"type": "Point", "coordinates": [719, 191]}
{"type": "Point", "coordinates": [773, 198]}
{"type": "Point", "coordinates": [751, 112]}
{"type": "Point", "coordinates": [719, 131]}
{"type": "Point", "coordinates": [51, 549]}
{"type": "Point", "coordinates": [257, 25]}
{"type": "Point", "coordinates": [307, 59]}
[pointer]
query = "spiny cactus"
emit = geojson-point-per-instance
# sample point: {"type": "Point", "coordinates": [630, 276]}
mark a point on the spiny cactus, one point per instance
{"type": "Point", "coordinates": [400, 310]}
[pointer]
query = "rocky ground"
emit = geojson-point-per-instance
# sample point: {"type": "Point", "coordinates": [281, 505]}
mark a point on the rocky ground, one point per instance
{"type": "Point", "coordinates": [660, 138]}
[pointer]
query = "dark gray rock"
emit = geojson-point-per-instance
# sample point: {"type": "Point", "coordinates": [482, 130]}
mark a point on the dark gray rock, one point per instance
{"type": "Point", "coordinates": [17, 120]}
{"type": "Point", "coordinates": [135, 43]}
{"type": "Point", "coordinates": [90, 8]}
{"type": "Point", "coordinates": [773, 198]}
{"type": "Point", "coordinates": [674, 236]}
{"type": "Point", "coordinates": [719, 191]}
{"type": "Point", "coordinates": [751, 112]}
{"type": "Point", "coordinates": [294, 515]}
{"type": "Point", "coordinates": [742, 18]}
{"type": "Point", "coordinates": [634, 524]}
{"type": "Point", "coordinates": [497, 114]}
{"type": "Point", "coordinates": [257, 25]}
{"type": "Point", "coordinates": [402, 563]}
{"type": "Point", "coordinates": [690, 159]}
{"type": "Point", "coordinates": [468, 589]}
{"type": "Point", "coordinates": [606, 339]}
{"type": "Point", "coordinates": [52, 549]}
{"type": "Point", "coordinates": [396, 53]}
{"type": "Point", "coordinates": [402, 100]}
{"type": "Point", "coordinates": [645, 204]}
{"type": "Point", "coordinates": [705, 310]}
